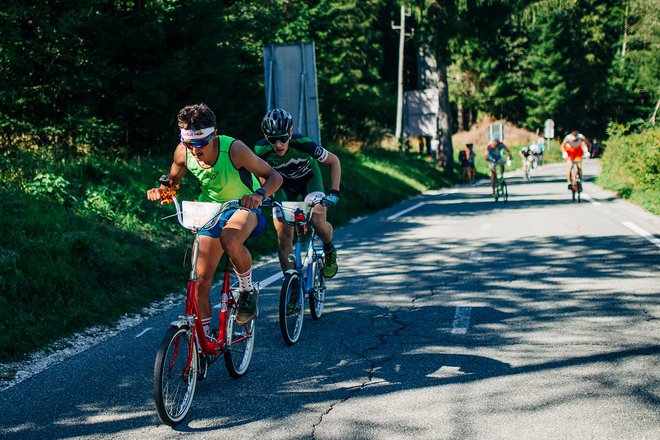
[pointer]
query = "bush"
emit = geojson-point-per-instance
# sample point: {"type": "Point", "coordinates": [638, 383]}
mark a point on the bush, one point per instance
{"type": "Point", "coordinates": [631, 165]}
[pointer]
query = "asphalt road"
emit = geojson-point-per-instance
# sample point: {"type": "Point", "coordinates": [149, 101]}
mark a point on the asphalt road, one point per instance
{"type": "Point", "coordinates": [452, 317]}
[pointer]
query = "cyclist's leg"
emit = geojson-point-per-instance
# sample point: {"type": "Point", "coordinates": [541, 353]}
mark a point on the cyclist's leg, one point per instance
{"type": "Point", "coordinates": [570, 167]}
{"type": "Point", "coordinates": [237, 229]}
{"type": "Point", "coordinates": [314, 189]}
{"type": "Point", "coordinates": [578, 162]}
{"type": "Point", "coordinates": [491, 166]}
{"type": "Point", "coordinates": [284, 242]}
{"type": "Point", "coordinates": [210, 252]}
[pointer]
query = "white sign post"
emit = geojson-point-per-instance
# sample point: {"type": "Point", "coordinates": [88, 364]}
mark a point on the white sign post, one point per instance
{"type": "Point", "coordinates": [496, 130]}
{"type": "Point", "coordinates": [549, 131]}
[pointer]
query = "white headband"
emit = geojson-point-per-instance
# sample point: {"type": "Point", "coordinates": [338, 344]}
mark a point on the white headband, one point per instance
{"type": "Point", "coordinates": [197, 134]}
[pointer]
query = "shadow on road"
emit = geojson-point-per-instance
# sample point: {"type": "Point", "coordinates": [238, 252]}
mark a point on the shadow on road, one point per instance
{"type": "Point", "coordinates": [393, 325]}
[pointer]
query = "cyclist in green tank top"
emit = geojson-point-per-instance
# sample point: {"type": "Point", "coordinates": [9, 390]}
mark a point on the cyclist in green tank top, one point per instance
{"type": "Point", "coordinates": [296, 158]}
{"type": "Point", "coordinates": [227, 170]}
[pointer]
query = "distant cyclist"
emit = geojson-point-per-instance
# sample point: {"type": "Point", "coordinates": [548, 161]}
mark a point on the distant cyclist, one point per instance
{"type": "Point", "coordinates": [527, 157]}
{"type": "Point", "coordinates": [572, 147]}
{"type": "Point", "coordinates": [296, 158]}
{"type": "Point", "coordinates": [493, 155]}
{"type": "Point", "coordinates": [537, 151]}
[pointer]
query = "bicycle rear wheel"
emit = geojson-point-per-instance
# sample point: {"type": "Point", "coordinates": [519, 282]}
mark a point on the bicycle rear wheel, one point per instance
{"type": "Point", "coordinates": [240, 344]}
{"type": "Point", "coordinates": [292, 310]}
{"type": "Point", "coordinates": [579, 191]}
{"type": "Point", "coordinates": [174, 386]}
{"type": "Point", "coordinates": [317, 293]}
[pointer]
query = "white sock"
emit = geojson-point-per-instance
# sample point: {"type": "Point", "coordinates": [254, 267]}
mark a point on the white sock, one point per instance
{"type": "Point", "coordinates": [206, 322]}
{"type": "Point", "coordinates": [245, 280]}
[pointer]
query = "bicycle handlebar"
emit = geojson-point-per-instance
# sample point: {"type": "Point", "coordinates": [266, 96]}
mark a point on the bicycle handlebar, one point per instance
{"type": "Point", "coordinates": [270, 202]}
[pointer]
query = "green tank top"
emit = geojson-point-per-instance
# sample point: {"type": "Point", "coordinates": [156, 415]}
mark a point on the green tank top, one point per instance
{"type": "Point", "coordinates": [222, 181]}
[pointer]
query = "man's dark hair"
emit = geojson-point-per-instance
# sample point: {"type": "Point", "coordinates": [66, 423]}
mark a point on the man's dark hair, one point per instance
{"type": "Point", "coordinates": [196, 117]}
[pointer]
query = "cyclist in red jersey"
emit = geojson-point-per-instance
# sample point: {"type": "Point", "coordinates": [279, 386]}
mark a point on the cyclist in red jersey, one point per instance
{"type": "Point", "coordinates": [572, 148]}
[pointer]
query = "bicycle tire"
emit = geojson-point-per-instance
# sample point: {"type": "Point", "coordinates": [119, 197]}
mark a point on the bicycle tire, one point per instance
{"type": "Point", "coordinates": [579, 191]}
{"type": "Point", "coordinates": [291, 321]}
{"type": "Point", "coordinates": [317, 293]}
{"type": "Point", "coordinates": [527, 173]}
{"type": "Point", "coordinates": [238, 354]}
{"type": "Point", "coordinates": [173, 390]}
{"type": "Point", "coordinates": [505, 191]}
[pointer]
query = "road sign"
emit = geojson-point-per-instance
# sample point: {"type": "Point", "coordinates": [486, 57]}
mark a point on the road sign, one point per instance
{"type": "Point", "coordinates": [549, 129]}
{"type": "Point", "coordinates": [496, 130]}
{"type": "Point", "coordinates": [290, 79]}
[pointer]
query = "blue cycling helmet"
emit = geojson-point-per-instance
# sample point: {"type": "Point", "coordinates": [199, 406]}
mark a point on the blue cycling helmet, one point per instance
{"type": "Point", "coordinates": [277, 122]}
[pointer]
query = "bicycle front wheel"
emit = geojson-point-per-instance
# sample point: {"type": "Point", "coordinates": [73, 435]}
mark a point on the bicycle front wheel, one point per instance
{"type": "Point", "coordinates": [317, 293]}
{"type": "Point", "coordinates": [505, 191]}
{"type": "Point", "coordinates": [240, 344]}
{"type": "Point", "coordinates": [175, 375]}
{"type": "Point", "coordinates": [292, 309]}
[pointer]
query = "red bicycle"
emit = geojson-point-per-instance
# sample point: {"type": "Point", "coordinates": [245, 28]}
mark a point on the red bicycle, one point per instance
{"type": "Point", "coordinates": [186, 352]}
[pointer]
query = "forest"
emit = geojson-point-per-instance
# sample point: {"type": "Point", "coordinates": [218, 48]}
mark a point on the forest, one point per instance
{"type": "Point", "coordinates": [109, 75]}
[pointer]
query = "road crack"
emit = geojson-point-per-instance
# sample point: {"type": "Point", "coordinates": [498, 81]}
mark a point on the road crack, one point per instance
{"type": "Point", "coordinates": [373, 362]}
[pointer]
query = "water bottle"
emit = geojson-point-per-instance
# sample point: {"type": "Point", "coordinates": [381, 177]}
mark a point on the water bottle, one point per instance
{"type": "Point", "coordinates": [301, 224]}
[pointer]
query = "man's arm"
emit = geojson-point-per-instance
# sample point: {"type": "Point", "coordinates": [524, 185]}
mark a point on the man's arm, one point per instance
{"type": "Point", "coordinates": [243, 157]}
{"type": "Point", "coordinates": [177, 171]}
{"type": "Point", "coordinates": [335, 170]}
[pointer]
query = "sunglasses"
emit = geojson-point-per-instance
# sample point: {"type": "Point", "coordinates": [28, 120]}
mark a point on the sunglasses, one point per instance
{"type": "Point", "coordinates": [283, 138]}
{"type": "Point", "coordinates": [197, 143]}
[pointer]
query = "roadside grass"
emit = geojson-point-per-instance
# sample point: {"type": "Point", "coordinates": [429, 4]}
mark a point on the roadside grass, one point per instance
{"type": "Point", "coordinates": [631, 166]}
{"type": "Point", "coordinates": [82, 246]}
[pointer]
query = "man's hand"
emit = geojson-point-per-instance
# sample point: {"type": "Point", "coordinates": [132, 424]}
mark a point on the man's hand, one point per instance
{"type": "Point", "coordinates": [251, 201]}
{"type": "Point", "coordinates": [154, 194]}
{"type": "Point", "coordinates": [332, 199]}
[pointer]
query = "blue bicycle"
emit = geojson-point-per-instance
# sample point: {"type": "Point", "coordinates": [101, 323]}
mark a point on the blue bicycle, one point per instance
{"type": "Point", "coordinates": [305, 282]}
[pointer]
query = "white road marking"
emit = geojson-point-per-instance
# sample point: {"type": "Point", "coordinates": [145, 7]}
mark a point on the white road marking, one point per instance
{"type": "Point", "coordinates": [461, 320]}
{"type": "Point", "coordinates": [142, 332]}
{"type": "Point", "coordinates": [591, 200]}
{"type": "Point", "coordinates": [270, 280]}
{"type": "Point", "coordinates": [405, 211]}
{"type": "Point", "coordinates": [356, 219]}
{"type": "Point", "coordinates": [650, 237]}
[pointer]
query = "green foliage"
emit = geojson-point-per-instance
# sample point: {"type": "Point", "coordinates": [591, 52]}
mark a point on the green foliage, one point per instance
{"type": "Point", "coordinates": [631, 165]}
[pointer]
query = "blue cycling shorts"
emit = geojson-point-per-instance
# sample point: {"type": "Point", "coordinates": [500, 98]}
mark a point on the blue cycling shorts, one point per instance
{"type": "Point", "coordinates": [226, 215]}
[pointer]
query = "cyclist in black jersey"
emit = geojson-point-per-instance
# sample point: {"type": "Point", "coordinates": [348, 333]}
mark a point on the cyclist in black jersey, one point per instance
{"type": "Point", "coordinates": [296, 158]}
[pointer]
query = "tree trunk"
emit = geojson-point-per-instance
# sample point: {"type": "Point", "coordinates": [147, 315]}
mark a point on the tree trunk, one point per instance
{"type": "Point", "coordinates": [655, 112]}
{"type": "Point", "coordinates": [445, 153]}
{"type": "Point", "coordinates": [460, 116]}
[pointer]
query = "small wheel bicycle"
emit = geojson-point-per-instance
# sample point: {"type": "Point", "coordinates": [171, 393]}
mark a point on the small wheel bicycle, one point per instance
{"type": "Point", "coordinates": [501, 189]}
{"type": "Point", "coordinates": [186, 352]}
{"type": "Point", "coordinates": [530, 164]}
{"type": "Point", "coordinates": [305, 281]}
{"type": "Point", "coordinates": [576, 182]}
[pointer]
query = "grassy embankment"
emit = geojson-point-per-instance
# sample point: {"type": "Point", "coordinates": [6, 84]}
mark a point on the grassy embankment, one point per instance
{"type": "Point", "coordinates": [631, 166]}
{"type": "Point", "coordinates": [82, 246]}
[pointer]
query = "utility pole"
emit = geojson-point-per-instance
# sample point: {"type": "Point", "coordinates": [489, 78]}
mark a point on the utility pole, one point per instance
{"type": "Point", "coordinates": [399, 99]}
